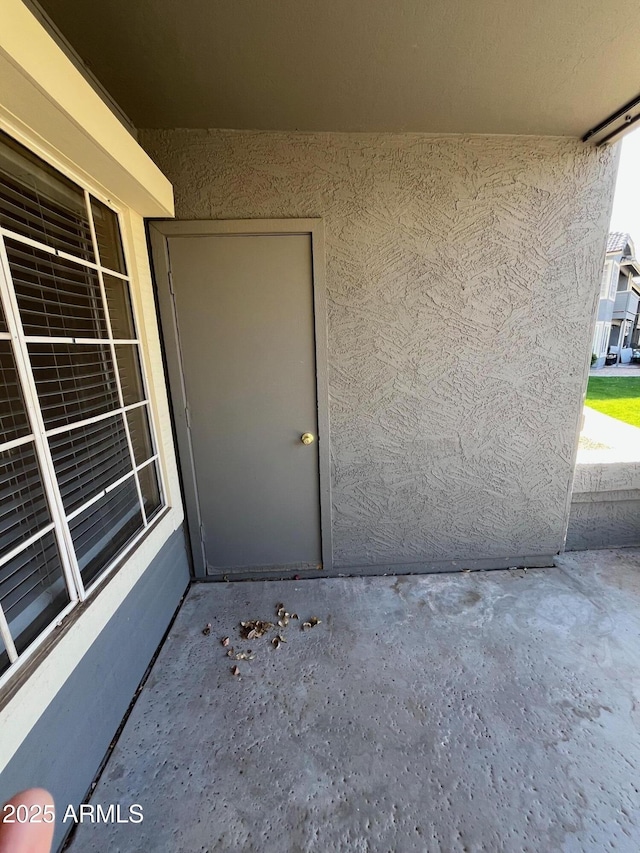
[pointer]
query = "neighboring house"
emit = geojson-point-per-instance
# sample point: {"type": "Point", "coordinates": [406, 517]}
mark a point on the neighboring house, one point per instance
{"type": "Point", "coordinates": [364, 332]}
{"type": "Point", "coordinates": [617, 327]}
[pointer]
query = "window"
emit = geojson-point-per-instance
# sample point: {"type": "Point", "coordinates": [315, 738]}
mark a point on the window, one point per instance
{"type": "Point", "coordinates": [615, 275]}
{"type": "Point", "coordinates": [623, 280]}
{"type": "Point", "coordinates": [605, 284]}
{"type": "Point", "coordinates": [602, 338]}
{"type": "Point", "coordinates": [79, 474]}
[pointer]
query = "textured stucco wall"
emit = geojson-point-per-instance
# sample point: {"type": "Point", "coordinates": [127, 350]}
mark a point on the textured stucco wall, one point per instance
{"type": "Point", "coordinates": [462, 274]}
{"type": "Point", "coordinates": [607, 520]}
{"type": "Point", "coordinates": [605, 506]}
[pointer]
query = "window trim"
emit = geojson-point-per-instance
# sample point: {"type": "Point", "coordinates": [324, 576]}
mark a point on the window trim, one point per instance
{"type": "Point", "coordinates": [77, 590]}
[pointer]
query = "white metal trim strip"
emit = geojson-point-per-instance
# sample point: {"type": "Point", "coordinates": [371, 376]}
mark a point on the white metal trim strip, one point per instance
{"type": "Point", "coordinates": [6, 558]}
{"type": "Point", "coordinates": [100, 495]}
{"type": "Point", "coordinates": [7, 639]}
{"type": "Point", "coordinates": [50, 250]}
{"type": "Point", "coordinates": [16, 442]}
{"type": "Point", "coordinates": [44, 339]}
{"type": "Point", "coordinates": [95, 419]}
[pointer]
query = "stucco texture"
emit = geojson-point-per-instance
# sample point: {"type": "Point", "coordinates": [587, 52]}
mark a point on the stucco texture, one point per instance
{"type": "Point", "coordinates": [462, 277]}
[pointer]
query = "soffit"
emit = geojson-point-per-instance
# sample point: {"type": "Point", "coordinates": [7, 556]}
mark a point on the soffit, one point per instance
{"type": "Point", "coordinates": [46, 104]}
{"type": "Point", "coordinates": [434, 66]}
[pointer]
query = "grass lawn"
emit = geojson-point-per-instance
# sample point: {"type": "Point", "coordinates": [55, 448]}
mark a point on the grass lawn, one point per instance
{"type": "Point", "coordinates": [618, 397]}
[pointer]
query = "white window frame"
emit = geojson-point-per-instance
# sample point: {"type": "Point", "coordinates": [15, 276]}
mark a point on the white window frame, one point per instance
{"type": "Point", "coordinates": [77, 590]}
{"type": "Point", "coordinates": [605, 283]}
{"type": "Point", "coordinates": [598, 338]}
{"type": "Point", "coordinates": [613, 284]}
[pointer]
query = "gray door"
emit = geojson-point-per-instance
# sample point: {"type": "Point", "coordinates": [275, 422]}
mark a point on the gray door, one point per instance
{"type": "Point", "coordinates": [244, 312]}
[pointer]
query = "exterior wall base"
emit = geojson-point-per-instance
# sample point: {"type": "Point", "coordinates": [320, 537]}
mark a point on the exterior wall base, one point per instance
{"type": "Point", "coordinates": [604, 520]}
{"type": "Point", "coordinates": [605, 506]}
{"type": "Point", "coordinates": [65, 749]}
{"type": "Point", "coordinates": [421, 568]}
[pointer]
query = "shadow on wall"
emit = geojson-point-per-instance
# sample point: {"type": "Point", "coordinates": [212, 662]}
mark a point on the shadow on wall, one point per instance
{"type": "Point", "coordinates": [605, 505]}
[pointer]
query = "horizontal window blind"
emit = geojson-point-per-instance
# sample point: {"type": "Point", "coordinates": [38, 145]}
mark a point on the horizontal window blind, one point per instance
{"type": "Point", "coordinates": [23, 506]}
{"type": "Point", "coordinates": [56, 297]}
{"type": "Point", "coordinates": [32, 590]}
{"type": "Point", "coordinates": [120, 311]}
{"type": "Point", "coordinates": [105, 527]}
{"type": "Point", "coordinates": [13, 414]}
{"type": "Point", "coordinates": [149, 486]}
{"type": "Point", "coordinates": [38, 202]}
{"type": "Point", "coordinates": [79, 472]}
{"type": "Point", "coordinates": [108, 239]}
{"type": "Point", "coordinates": [138, 421]}
{"type": "Point", "coordinates": [89, 459]}
{"type": "Point", "coordinates": [130, 374]}
{"type": "Point", "coordinates": [74, 381]}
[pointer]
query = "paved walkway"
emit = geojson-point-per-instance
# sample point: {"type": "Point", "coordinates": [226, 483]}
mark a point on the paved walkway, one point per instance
{"type": "Point", "coordinates": [491, 711]}
{"type": "Point", "coordinates": [617, 370]}
{"type": "Point", "coordinates": [605, 439]}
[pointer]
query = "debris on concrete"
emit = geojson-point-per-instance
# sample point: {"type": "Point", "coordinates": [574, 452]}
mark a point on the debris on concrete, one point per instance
{"type": "Point", "coordinates": [248, 655]}
{"type": "Point", "coordinates": [283, 616]}
{"type": "Point", "coordinates": [251, 629]}
{"type": "Point", "coordinates": [207, 629]}
{"type": "Point", "coordinates": [254, 629]}
{"type": "Point", "coordinates": [234, 655]}
{"type": "Point", "coordinates": [235, 670]}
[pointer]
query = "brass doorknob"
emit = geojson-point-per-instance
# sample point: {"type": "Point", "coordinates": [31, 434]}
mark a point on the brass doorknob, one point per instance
{"type": "Point", "coordinates": [307, 438]}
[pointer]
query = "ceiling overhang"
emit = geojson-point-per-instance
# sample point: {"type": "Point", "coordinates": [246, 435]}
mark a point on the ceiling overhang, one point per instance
{"type": "Point", "coordinates": [429, 66]}
{"type": "Point", "coordinates": [47, 104]}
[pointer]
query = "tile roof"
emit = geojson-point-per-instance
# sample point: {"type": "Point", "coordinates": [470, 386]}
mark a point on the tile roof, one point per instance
{"type": "Point", "coordinates": [617, 241]}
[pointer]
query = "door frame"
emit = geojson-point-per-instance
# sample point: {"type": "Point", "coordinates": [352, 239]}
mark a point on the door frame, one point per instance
{"type": "Point", "coordinates": [159, 233]}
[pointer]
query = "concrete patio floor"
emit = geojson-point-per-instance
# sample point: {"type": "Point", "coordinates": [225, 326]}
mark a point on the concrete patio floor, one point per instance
{"type": "Point", "coordinates": [467, 713]}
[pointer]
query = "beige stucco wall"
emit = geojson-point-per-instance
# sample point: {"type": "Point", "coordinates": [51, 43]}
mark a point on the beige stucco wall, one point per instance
{"type": "Point", "coordinates": [462, 279]}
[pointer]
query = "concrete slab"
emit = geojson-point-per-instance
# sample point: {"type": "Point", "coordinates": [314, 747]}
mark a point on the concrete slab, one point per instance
{"type": "Point", "coordinates": [616, 370]}
{"type": "Point", "coordinates": [495, 711]}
